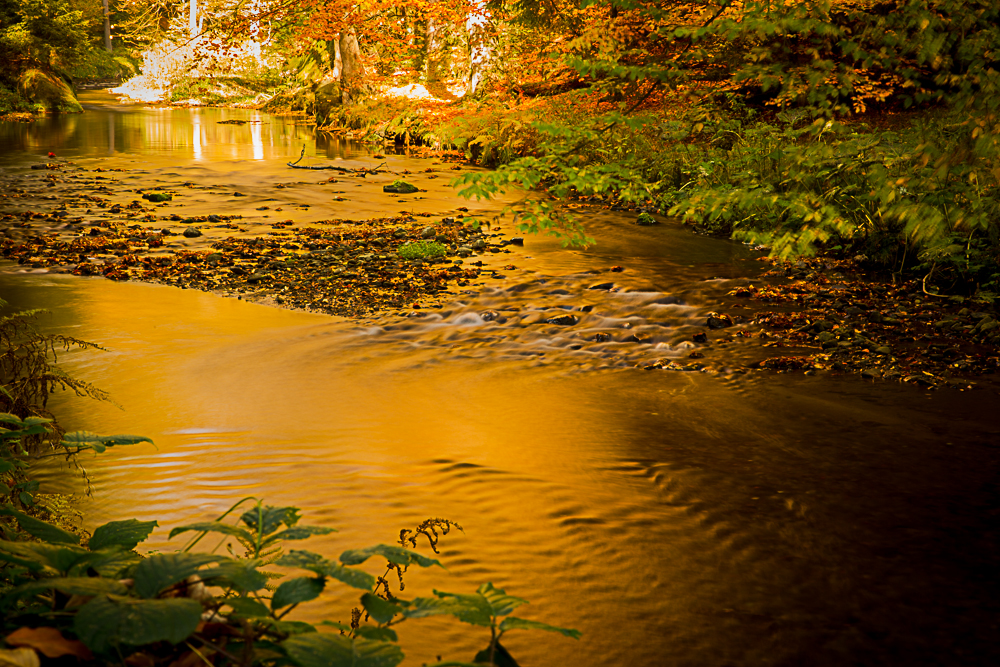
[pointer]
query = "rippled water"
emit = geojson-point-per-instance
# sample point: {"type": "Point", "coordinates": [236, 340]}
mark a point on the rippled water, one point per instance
{"type": "Point", "coordinates": [710, 517]}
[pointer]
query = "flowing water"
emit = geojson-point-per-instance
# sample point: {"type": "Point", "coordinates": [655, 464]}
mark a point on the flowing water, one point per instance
{"type": "Point", "coordinates": [675, 518]}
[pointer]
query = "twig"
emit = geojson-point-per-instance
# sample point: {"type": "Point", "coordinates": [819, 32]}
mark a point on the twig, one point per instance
{"type": "Point", "coordinates": [363, 172]}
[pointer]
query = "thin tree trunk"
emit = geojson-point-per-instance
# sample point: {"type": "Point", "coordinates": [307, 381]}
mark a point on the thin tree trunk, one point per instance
{"type": "Point", "coordinates": [107, 25]}
{"type": "Point", "coordinates": [351, 73]}
{"type": "Point", "coordinates": [477, 24]}
{"type": "Point", "coordinates": [193, 18]}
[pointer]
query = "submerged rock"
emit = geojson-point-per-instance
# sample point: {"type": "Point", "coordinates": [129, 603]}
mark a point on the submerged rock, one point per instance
{"type": "Point", "coordinates": [400, 187]}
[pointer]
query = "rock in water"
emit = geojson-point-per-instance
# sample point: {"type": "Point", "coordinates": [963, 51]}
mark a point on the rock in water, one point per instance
{"type": "Point", "coordinates": [400, 187]}
{"type": "Point", "coordinates": [192, 232]}
{"type": "Point", "coordinates": [564, 320]}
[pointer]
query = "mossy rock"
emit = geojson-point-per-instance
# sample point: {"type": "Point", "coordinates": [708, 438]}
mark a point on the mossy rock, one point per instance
{"type": "Point", "coordinates": [49, 91]}
{"type": "Point", "coordinates": [400, 187]}
{"type": "Point", "coordinates": [157, 196]}
{"type": "Point", "coordinates": [645, 219]}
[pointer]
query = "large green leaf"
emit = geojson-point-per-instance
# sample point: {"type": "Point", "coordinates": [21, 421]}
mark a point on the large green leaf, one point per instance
{"type": "Point", "coordinates": [381, 610]}
{"type": "Point", "coordinates": [468, 608]}
{"type": "Point", "coordinates": [214, 527]}
{"type": "Point", "coordinates": [293, 591]}
{"type": "Point", "coordinates": [160, 571]}
{"type": "Point", "coordinates": [512, 623]}
{"type": "Point", "coordinates": [350, 576]}
{"type": "Point", "coordinates": [501, 603]}
{"type": "Point", "coordinates": [40, 529]}
{"type": "Point", "coordinates": [242, 575]}
{"type": "Point", "coordinates": [330, 650]}
{"type": "Point", "coordinates": [300, 533]}
{"type": "Point", "coordinates": [110, 620]}
{"type": "Point", "coordinates": [270, 518]}
{"type": "Point", "coordinates": [111, 561]}
{"type": "Point", "coordinates": [247, 608]}
{"type": "Point", "coordinates": [307, 560]}
{"type": "Point", "coordinates": [125, 534]}
{"type": "Point", "coordinates": [313, 562]}
{"type": "Point", "coordinates": [35, 555]}
{"type": "Point", "coordinates": [394, 554]}
{"type": "Point", "coordinates": [478, 608]}
{"type": "Point", "coordinates": [366, 631]}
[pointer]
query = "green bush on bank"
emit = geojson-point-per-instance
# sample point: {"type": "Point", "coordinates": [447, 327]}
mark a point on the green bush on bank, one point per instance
{"type": "Point", "coordinates": [772, 161]}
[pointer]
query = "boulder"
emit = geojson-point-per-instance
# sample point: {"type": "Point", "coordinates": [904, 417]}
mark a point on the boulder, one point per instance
{"type": "Point", "coordinates": [49, 91]}
{"type": "Point", "coordinates": [400, 187]}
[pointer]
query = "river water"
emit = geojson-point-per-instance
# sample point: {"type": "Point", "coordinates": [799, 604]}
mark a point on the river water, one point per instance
{"type": "Point", "coordinates": [675, 518]}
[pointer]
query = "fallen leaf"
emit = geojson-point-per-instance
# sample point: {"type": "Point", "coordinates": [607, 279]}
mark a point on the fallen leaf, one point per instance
{"type": "Point", "coordinates": [19, 657]}
{"type": "Point", "coordinates": [49, 642]}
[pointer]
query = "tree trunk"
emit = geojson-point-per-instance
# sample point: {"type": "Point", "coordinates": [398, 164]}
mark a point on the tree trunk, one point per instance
{"type": "Point", "coordinates": [107, 25]}
{"type": "Point", "coordinates": [434, 43]}
{"type": "Point", "coordinates": [477, 24]}
{"type": "Point", "coordinates": [351, 73]}
{"type": "Point", "coordinates": [193, 18]}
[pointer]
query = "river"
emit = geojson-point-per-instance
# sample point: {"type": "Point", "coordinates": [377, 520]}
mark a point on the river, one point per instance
{"type": "Point", "coordinates": [674, 518]}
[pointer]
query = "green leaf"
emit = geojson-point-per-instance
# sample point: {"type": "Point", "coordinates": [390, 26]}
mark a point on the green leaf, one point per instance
{"type": "Point", "coordinates": [313, 562]}
{"type": "Point", "coordinates": [40, 529]}
{"type": "Point", "coordinates": [331, 650]}
{"type": "Point", "coordinates": [214, 527]}
{"type": "Point", "coordinates": [293, 591]}
{"type": "Point", "coordinates": [478, 608]}
{"type": "Point", "coordinates": [512, 623]}
{"type": "Point", "coordinates": [160, 571]}
{"type": "Point", "coordinates": [272, 517]}
{"type": "Point", "coordinates": [307, 560]}
{"type": "Point", "coordinates": [36, 555]}
{"type": "Point", "coordinates": [377, 634]}
{"type": "Point", "coordinates": [242, 575]}
{"type": "Point", "coordinates": [125, 534]}
{"type": "Point", "coordinates": [467, 608]}
{"type": "Point", "coordinates": [247, 608]}
{"type": "Point", "coordinates": [108, 621]}
{"type": "Point", "coordinates": [501, 603]}
{"type": "Point", "coordinates": [381, 610]}
{"type": "Point", "coordinates": [111, 561]}
{"type": "Point", "coordinates": [350, 576]}
{"type": "Point", "coordinates": [366, 631]}
{"type": "Point", "coordinates": [394, 554]}
{"type": "Point", "coordinates": [300, 533]}
{"type": "Point", "coordinates": [71, 586]}
{"type": "Point", "coordinates": [8, 418]}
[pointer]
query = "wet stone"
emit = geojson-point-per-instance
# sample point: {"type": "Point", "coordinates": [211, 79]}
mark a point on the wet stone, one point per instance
{"type": "Point", "coordinates": [192, 232]}
{"type": "Point", "coordinates": [562, 320]}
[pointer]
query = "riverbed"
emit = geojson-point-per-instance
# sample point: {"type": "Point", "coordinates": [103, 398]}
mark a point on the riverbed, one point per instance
{"type": "Point", "coordinates": [705, 516]}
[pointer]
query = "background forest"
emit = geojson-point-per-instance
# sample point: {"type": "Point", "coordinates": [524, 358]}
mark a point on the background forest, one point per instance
{"type": "Point", "coordinates": [863, 128]}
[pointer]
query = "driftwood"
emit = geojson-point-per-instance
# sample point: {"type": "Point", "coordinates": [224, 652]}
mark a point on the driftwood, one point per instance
{"type": "Point", "coordinates": [361, 172]}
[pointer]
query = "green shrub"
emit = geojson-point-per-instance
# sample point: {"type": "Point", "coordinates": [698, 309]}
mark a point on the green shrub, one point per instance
{"type": "Point", "coordinates": [188, 605]}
